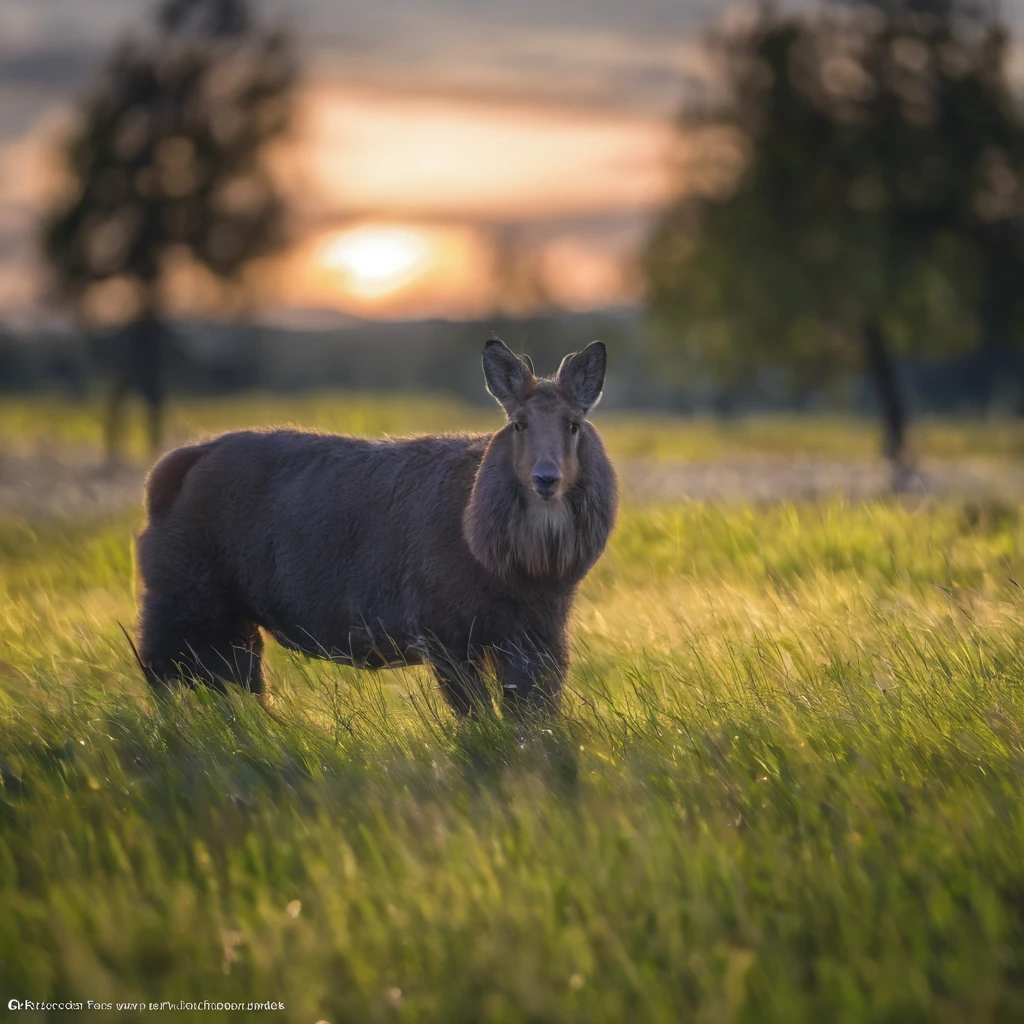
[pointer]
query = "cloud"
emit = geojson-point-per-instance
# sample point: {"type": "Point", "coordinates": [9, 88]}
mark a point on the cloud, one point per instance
{"type": "Point", "coordinates": [358, 152]}
{"type": "Point", "coordinates": [50, 70]}
{"type": "Point", "coordinates": [584, 67]}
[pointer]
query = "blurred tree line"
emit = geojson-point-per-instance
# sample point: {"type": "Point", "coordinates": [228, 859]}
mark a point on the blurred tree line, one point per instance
{"type": "Point", "coordinates": [850, 193]}
{"type": "Point", "coordinates": [168, 184]}
{"type": "Point", "coordinates": [849, 208]}
{"type": "Point", "coordinates": [207, 358]}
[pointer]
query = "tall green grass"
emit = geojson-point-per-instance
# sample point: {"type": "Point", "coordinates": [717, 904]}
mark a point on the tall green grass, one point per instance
{"type": "Point", "coordinates": [786, 787]}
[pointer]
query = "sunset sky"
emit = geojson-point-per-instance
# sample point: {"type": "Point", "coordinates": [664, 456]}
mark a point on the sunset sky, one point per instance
{"type": "Point", "coordinates": [423, 131]}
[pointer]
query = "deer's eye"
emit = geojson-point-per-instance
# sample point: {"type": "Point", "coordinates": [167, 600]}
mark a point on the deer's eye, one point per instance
{"type": "Point", "coordinates": [518, 425]}
{"type": "Point", "coordinates": [574, 428]}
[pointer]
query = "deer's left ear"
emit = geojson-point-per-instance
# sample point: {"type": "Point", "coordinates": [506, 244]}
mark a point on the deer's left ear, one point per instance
{"type": "Point", "coordinates": [581, 376]}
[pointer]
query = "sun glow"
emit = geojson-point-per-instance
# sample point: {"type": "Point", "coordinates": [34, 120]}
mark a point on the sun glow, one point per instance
{"type": "Point", "coordinates": [377, 260]}
{"type": "Point", "coordinates": [390, 269]}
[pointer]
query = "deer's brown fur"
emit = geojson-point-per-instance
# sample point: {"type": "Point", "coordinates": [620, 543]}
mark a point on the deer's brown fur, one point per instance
{"type": "Point", "coordinates": [455, 551]}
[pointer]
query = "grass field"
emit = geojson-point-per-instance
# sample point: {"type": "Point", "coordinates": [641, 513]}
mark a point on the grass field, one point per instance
{"type": "Point", "coordinates": [787, 786]}
{"type": "Point", "coordinates": [53, 424]}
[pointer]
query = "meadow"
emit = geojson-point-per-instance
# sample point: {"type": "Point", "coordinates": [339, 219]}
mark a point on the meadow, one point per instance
{"type": "Point", "coordinates": [55, 424]}
{"type": "Point", "coordinates": [786, 784]}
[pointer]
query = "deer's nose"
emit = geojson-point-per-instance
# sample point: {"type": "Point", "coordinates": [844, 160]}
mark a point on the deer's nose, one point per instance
{"type": "Point", "coordinates": [545, 479]}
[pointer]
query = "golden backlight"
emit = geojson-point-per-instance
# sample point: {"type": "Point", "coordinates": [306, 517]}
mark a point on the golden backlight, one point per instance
{"type": "Point", "coordinates": [384, 268]}
{"type": "Point", "coordinates": [432, 179]}
{"type": "Point", "coordinates": [376, 261]}
{"type": "Point", "coordinates": [395, 203]}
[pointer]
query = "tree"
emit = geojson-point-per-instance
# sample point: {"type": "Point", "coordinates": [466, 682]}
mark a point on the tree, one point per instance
{"type": "Point", "coordinates": [167, 170]}
{"type": "Point", "coordinates": [874, 191]}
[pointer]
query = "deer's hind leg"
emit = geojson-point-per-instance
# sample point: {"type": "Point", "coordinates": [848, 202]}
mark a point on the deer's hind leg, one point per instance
{"type": "Point", "coordinates": [211, 652]}
{"type": "Point", "coordinates": [190, 628]}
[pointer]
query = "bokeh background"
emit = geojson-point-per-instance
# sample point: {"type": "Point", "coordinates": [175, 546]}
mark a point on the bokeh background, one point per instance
{"type": "Point", "coordinates": [784, 208]}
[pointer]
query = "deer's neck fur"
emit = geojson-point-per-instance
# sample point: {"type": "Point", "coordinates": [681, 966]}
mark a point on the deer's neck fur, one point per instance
{"type": "Point", "coordinates": [511, 531]}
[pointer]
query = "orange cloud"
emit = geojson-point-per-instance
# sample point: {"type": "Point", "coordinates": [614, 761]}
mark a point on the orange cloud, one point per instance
{"type": "Point", "coordinates": [453, 158]}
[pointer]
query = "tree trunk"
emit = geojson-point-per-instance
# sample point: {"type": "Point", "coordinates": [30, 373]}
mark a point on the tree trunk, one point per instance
{"type": "Point", "coordinates": [882, 370]}
{"type": "Point", "coordinates": [151, 378]}
{"type": "Point", "coordinates": [113, 426]}
{"type": "Point", "coordinates": [140, 369]}
{"type": "Point", "coordinates": [1001, 370]}
{"type": "Point", "coordinates": [998, 244]}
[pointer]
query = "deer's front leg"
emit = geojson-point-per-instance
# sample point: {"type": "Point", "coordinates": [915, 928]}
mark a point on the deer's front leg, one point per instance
{"type": "Point", "coordinates": [531, 681]}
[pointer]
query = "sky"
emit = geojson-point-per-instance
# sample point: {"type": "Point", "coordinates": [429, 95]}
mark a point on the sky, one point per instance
{"type": "Point", "coordinates": [423, 131]}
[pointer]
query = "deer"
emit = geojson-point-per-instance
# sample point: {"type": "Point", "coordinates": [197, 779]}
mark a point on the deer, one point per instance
{"type": "Point", "coordinates": [462, 552]}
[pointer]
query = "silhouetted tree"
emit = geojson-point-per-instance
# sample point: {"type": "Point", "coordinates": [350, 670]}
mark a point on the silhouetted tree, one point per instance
{"type": "Point", "coordinates": [166, 165]}
{"type": "Point", "coordinates": [871, 202]}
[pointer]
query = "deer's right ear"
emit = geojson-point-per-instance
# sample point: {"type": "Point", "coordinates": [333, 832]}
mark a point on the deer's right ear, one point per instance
{"type": "Point", "coordinates": [508, 377]}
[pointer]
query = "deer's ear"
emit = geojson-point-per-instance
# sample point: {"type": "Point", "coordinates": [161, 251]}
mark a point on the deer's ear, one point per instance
{"type": "Point", "coordinates": [507, 376]}
{"type": "Point", "coordinates": [581, 376]}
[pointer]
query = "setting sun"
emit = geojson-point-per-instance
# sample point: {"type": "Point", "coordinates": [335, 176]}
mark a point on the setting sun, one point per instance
{"type": "Point", "coordinates": [377, 260]}
{"type": "Point", "coordinates": [387, 268]}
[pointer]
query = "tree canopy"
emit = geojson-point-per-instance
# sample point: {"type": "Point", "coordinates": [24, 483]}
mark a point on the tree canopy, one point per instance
{"type": "Point", "coordinates": [167, 173]}
{"type": "Point", "coordinates": [872, 200]}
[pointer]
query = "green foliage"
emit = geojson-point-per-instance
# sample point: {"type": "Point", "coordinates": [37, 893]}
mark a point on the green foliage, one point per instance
{"type": "Point", "coordinates": [168, 185]}
{"type": "Point", "coordinates": [786, 788]}
{"type": "Point", "coordinates": [875, 158]}
{"type": "Point", "coordinates": [167, 161]}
